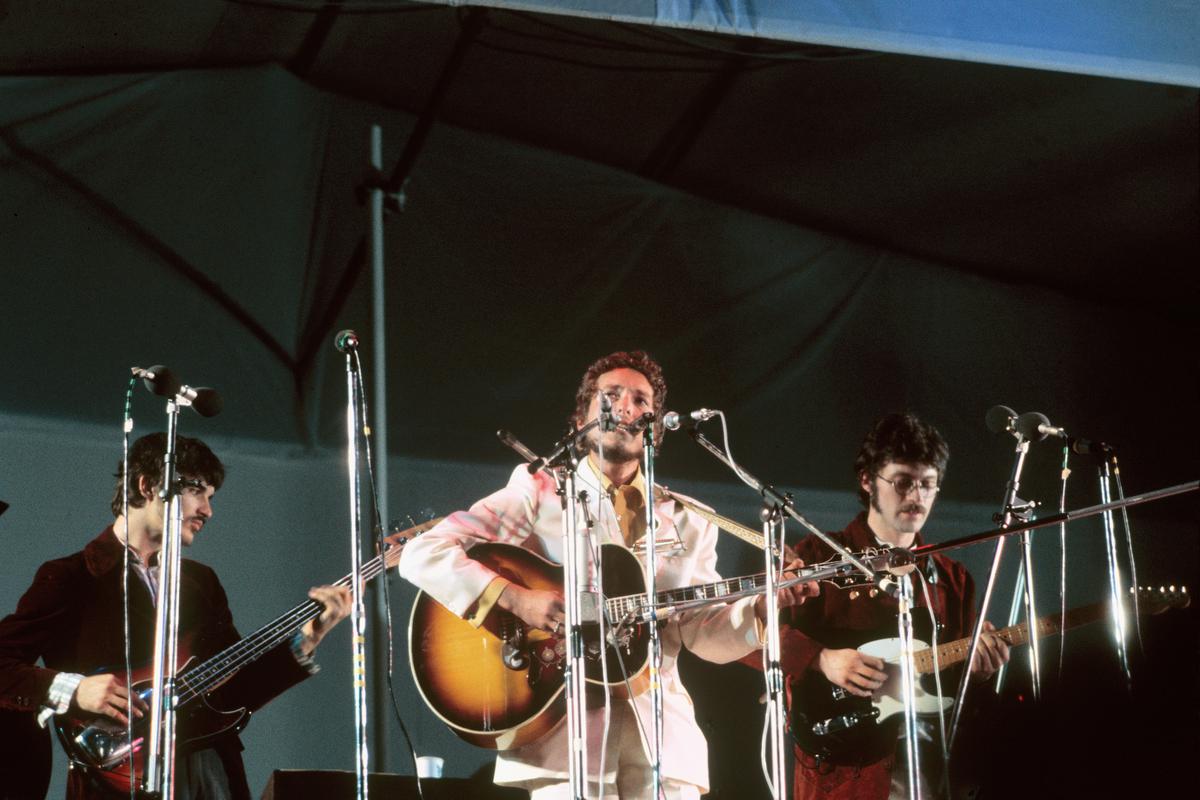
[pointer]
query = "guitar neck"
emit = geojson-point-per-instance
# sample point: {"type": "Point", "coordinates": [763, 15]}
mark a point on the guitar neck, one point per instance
{"type": "Point", "coordinates": [630, 606]}
{"type": "Point", "coordinates": [209, 674]}
{"type": "Point", "coordinates": [956, 652]}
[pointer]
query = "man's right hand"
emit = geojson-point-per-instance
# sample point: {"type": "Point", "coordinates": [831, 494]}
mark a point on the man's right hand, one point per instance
{"type": "Point", "coordinates": [856, 673]}
{"type": "Point", "coordinates": [536, 608]}
{"type": "Point", "coordinates": [107, 695]}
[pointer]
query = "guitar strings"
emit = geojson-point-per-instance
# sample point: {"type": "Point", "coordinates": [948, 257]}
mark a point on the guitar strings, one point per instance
{"type": "Point", "coordinates": [201, 677]}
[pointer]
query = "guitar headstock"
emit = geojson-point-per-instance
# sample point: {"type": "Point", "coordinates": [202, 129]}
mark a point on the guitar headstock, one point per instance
{"type": "Point", "coordinates": [396, 540]}
{"type": "Point", "coordinates": [894, 560]}
{"type": "Point", "coordinates": [1157, 599]}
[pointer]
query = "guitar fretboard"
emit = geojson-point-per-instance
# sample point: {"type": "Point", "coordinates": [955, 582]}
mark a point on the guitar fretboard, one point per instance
{"type": "Point", "coordinates": [956, 652]}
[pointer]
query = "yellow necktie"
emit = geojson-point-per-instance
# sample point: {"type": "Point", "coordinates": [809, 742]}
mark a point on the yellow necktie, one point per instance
{"type": "Point", "coordinates": [630, 508]}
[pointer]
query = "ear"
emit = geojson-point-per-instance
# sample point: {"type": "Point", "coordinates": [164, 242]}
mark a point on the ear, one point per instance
{"type": "Point", "coordinates": [145, 488]}
{"type": "Point", "coordinates": [864, 481]}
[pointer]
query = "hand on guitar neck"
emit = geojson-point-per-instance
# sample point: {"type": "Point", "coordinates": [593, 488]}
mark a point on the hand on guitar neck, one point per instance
{"type": "Point", "coordinates": [336, 604]}
{"type": "Point", "coordinates": [791, 595]}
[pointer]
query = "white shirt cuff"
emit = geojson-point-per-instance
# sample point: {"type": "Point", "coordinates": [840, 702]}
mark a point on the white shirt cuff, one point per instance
{"type": "Point", "coordinates": [58, 699]}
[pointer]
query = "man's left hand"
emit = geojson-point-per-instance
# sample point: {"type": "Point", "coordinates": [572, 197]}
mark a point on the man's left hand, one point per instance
{"type": "Point", "coordinates": [336, 604]}
{"type": "Point", "coordinates": [792, 595]}
{"type": "Point", "coordinates": [991, 655]}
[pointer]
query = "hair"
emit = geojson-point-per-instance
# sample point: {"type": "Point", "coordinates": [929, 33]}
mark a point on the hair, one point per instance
{"type": "Point", "coordinates": [192, 459]}
{"type": "Point", "coordinates": [636, 360]}
{"type": "Point", "coordinates": [899, 437]}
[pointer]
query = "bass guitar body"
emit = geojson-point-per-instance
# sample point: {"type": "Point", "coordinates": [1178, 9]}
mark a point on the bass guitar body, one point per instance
{"type": "Point", "coordinates": [100, 746]}
{"type": "Point", "coordinates": [500, 685]}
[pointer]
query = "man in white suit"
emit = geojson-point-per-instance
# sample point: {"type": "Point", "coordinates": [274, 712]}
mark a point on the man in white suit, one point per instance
{"type": "Point", "coordinates": [527, 513]}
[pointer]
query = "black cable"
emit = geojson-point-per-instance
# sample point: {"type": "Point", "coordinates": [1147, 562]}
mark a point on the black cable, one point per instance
{"type": "Point", "coordinates": [380, 543]}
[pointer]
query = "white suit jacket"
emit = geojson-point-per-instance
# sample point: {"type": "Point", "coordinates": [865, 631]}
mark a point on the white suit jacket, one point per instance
{"type": "Point", "coordinates": [527, 512]}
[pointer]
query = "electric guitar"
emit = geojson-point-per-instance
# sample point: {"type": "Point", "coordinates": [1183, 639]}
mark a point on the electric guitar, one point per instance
{"type": "Point", "coordinates": [836, 726]}
{"type": "Point", "coordinates": [101, 746]}
{"type": "Point", "coordinates": [500, 685]}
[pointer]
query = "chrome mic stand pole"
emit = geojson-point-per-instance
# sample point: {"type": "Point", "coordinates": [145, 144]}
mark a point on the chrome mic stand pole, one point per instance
{"type": "Point", "coordinates": [347, 342]}
{"type": "Point", "coordinates": [1117, 601]}
{"type": "Point", "coordinates": [160, 762]}
{"type": "Point", "coordinates": [773, 548]}
{"type": "Point", "coordinates": [656, 692]}
{"type": "Point", "coordinates": [908, 683]}
{"type": "Point", "coordinates": [1009, 507]}
{"type": "Point", "coordinates": [574, 577]}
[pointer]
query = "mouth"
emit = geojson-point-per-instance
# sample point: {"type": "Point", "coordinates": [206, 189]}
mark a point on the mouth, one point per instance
{"type": "Point", "coordinates": [913, 511]}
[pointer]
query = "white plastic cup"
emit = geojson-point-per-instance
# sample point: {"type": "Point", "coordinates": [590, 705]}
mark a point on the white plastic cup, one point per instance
{"type": "Point", "coordinates": [429, 766]}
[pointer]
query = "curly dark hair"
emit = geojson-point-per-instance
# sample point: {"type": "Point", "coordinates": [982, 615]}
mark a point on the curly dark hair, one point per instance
{"type": "Point", "coordinates": [900, 437]}
{"type": "Point", "coordinates": [637, 360]}
{"type": "Point", "coordinates": [193, 459]}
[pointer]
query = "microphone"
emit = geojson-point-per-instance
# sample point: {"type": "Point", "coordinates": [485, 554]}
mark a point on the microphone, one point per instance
{"type": "Point", "coordinates": [1035, 427]}
{"type": "Point", "coordinates": [206, 401]}
{"type": "Point", "coordinates": [1086, 447]}
{"type": "Point", "coordinates": [509, 440]}
{"type": "Point", "coordinates": [345, 341]}
{"type": "Point", "coordinates": [607, 421]}
{"type": "Point", "coordinates": [672, 420]}
{"type": "Point", "coordinates": [158, 379]}
{"type": "Point", "coordinates": [1000, 419]}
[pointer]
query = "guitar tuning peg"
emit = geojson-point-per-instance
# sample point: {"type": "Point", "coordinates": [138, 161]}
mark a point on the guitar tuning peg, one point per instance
{"type": "Point", "coordinates": [872, 593]}
{"type": "Point", "coordinates": [854, 595]}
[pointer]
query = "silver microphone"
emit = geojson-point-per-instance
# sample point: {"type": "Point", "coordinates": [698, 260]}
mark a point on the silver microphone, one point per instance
{"type": "Point", "coordinates": [1035, 427]}
{"type": "Point", "coordinates": [673, 419]}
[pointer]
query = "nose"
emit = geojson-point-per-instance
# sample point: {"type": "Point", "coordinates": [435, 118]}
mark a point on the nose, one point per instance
{"type": "Point", "coordinates": [626, 407]}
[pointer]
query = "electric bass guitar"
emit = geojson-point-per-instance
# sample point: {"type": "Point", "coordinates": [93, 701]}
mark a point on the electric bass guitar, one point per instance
{"type": "Point", "coordinates": [833, 725]}
{"type": "Point", "coordinates": [500, 685]}
{"type": "Point", "coordinates": [101, 746]}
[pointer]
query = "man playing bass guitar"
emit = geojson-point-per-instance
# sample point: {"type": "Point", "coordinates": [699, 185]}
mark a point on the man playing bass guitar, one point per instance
{"type": "Point", "coordinates": [72, 618]}
{"type": "Point", "coordinates": [900, 468]}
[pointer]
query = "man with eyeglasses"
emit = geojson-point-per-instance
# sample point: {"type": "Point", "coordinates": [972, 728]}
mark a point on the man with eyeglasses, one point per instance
{"type": "Point", "coordinates": [899, 468]}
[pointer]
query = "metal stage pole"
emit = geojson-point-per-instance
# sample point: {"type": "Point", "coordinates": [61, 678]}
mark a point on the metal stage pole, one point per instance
{"type": "Point", "coordinates": [379, 659]}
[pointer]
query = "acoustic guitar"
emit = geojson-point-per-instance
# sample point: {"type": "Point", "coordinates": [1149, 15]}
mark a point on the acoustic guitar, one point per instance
{"type": "Point", "coordinates": [500, 686]}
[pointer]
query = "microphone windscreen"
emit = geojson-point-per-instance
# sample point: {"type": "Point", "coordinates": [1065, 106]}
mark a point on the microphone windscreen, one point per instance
{"type": "Point", "coordinates": [999, 418]}
{"type": "Point", "coordinates": [208, 402]}
{"type": "Point", "coordinates": [1029, 423]}
{"type": "Point", "coordinates": [161, 381]}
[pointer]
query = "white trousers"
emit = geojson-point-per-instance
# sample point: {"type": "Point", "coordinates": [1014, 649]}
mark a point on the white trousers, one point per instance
{"type": "Point", "coordinates": [634, 778]}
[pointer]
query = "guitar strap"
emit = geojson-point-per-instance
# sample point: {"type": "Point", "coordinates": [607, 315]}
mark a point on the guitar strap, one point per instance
{"type": "Point", "coordinates": [747, 535]}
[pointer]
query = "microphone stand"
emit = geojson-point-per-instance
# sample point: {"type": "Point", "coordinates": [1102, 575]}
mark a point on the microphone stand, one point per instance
{"type": "Point", "coordinates": [1114, 569]}
{"type": "Point", "coordinates": [358, 612]}
{"type": "Point", "coordinates": [773, 544]}
{"type": "Point", "coordinates": [775, 504]}
{"type": "Point", "coordinates": [160, 761]}
{"type": "Point", "coordinates": [1009, 512]}
{"type": "Point", "coordinates": [656, 693]}
{"type": "Point", "coordinates": [908, 685]}
{"type": "Point", "coordinates": [562, 464]}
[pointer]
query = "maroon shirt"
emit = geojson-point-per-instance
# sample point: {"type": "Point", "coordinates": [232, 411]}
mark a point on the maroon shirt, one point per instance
{"type": "Point", "coordinates": [841, 618]}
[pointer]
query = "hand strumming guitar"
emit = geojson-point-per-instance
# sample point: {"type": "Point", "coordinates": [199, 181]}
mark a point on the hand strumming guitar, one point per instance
{"type": "Point", "coordinates": [107, 695]}
{"type": "Point", "coordinates": [536, 608]}
{"type": "Point", "coordinates": [853, 671]}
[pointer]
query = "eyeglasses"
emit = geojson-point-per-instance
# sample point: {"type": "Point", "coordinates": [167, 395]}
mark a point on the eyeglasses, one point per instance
{"type": "Point", "coordinates": [903, 484]}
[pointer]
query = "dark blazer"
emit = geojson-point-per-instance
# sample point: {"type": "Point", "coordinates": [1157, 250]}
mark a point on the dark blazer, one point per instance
{"type": "Point", "coordinates": [71, 618]}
